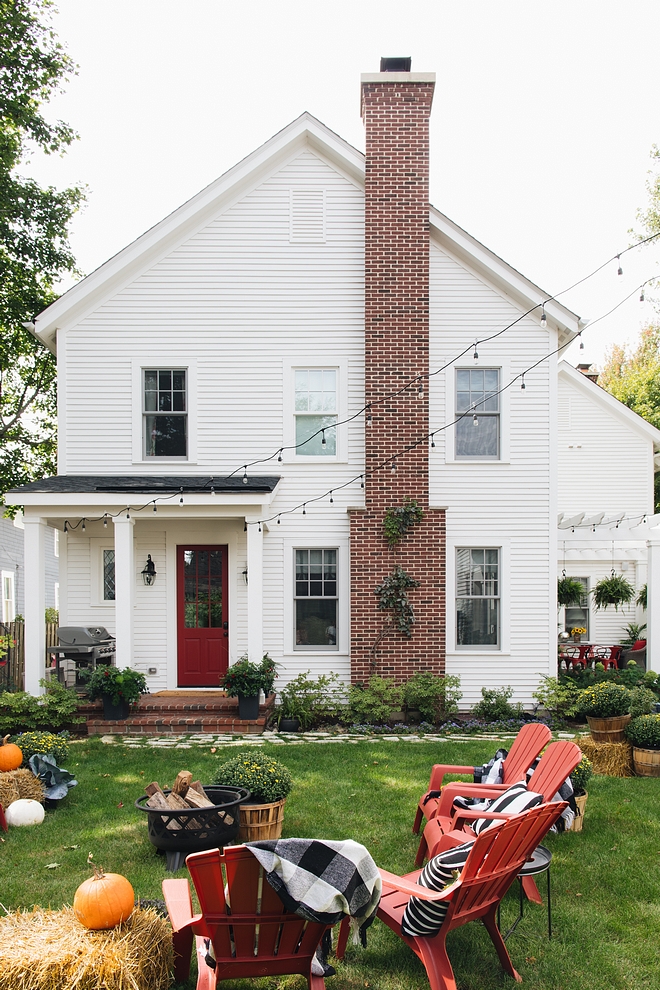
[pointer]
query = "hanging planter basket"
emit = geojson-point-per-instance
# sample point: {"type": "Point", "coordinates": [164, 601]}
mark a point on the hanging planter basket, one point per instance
{"type": "Point", "coordinates": [569, 591]}
{"type": "Point", "coordinates": [613, 590]}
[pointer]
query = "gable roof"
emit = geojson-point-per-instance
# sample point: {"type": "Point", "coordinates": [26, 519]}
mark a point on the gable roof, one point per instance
{"type": "Point", "coordinates": [304, 132]}
{"type": "Point", "coordinates": [608, 402]}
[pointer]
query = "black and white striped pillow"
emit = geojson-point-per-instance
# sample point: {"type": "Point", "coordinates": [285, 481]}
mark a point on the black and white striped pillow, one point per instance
{"type": "Point", "coordinates": [424, 918]}
{"type": "Point", "coordinates": [513, 801]}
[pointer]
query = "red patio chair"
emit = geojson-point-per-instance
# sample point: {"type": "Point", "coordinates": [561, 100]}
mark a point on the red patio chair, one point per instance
{"type": "Point", "coordinates": [527, 745]}
{"type": "Point", "coordinates": [493, 863]}
{"type": "Point", "coordinates": [607, 655]}
{"type": "Point", "coordinates": [251, 932]}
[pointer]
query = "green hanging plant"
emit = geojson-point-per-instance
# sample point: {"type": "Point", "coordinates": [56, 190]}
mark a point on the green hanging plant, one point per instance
{"type": "Point", "coordinates": [399, 519]}
{"type": "Point", "coordinates": [642, 597]}
{"type": "Point", "coordinates": [613, 590]}
{"type": "Point", "coordinates": [569, 591]}
{"type": "Point", "coordinates": [393, 594]}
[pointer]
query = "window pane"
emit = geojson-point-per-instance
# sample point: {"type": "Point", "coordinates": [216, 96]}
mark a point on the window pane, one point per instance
{"type": "Point", "coordinates": [151, 380]}
{"type": "Point", "coordinates": [491, 380]}
{"type": "Point", "coordinates": [477, 621]}
{"type": "Point", "coordinates": [150, 401]}
{"type": "Point", "coordinates": [306, 426]}
{"type": "Point", "coordinates": [316, 622]}
{"type": "Point", "coordinates": [316, 381]}
{"type": "Point", "coordinates": [463, 381]}
{"type": "Point", "coordinates": [477, 601]}
{"type": "Point", "coordinates": [165, 436]}
{"type": "Point", "coordinates": [480, 439]}
{"type": "Point", "coordinates": [165, 380]}
{"type": "Point", "coordinates": [179, 381]}
{"type": "Point", "coordinates": [108, 575]}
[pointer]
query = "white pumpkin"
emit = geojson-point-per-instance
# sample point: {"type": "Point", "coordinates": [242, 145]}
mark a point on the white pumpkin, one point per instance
{"type": "Point", "coordinates": [25, 812]}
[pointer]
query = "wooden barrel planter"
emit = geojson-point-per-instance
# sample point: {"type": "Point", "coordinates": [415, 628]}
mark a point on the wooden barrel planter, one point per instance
{"type": "Point", "coordinates": [608, 729]}
{"type": "Point", "coordinates": [578, 821]}
{"type": "Point", "coordinates": [646, 762]}
{"type": "Point", "coordinates": [261, 821]}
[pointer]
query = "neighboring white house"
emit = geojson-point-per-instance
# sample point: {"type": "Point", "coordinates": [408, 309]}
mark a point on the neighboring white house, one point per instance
{"type": "Point", "coordinates": [232, 331]}
{"type": "Point", "coordinates": [12, 567]}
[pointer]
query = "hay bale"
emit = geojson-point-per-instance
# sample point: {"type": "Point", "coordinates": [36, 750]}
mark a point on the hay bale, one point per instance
{"type": "Point", "coordinates": [15, 784]}
{"type": "Point", "coordinates": [610, 759]}
{"type": "Point", "coordinates": [8, 788]}
{"type": "Point", "coordinates": [50, 950]}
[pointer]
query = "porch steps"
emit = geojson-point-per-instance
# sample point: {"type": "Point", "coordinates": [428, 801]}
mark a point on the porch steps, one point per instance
{"type": "Point", "coordinates": [179, 714]}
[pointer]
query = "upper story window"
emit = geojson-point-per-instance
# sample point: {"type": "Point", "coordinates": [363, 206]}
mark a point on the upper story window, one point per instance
{"type": "Point", "coordinates": [165, 415]}
{"type": "Point", "coordinates": [316, 599]}
{"type": "Point", "coordinates": [478, 432]}
{"type": "Point", "coordinates": [478, 597]}
{"type": "Point", "coordinates": [316, 412]}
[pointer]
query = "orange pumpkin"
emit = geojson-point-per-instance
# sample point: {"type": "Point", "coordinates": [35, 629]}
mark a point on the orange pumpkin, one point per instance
{"type": "Point", "coordinates": [103, 901]}
{"type": "Point", "coordinates": [11, 755]}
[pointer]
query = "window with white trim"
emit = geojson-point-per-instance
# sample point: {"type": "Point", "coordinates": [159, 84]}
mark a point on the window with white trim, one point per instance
{"type": "Point", "coordinates": [108, 576]}
{"type": "Point", "coordinates": [315, 412]}
{"type": "Point", "coordinates": [315, 599]}
{"type": "Point", "coordinates": [165, 412]}
{"type": "Point", "coordinates": [478, 597]}
{"type": "Point", "coordinates": [477, 413]}
{"type": "Point", "coordinates": [8, 596]}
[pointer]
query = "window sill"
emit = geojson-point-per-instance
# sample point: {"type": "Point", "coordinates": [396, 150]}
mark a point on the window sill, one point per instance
{"type": "Point", "coordinates": [468, 651]}
{"type": "Point", "coordinates": [164, 460]}
{"type": "Point", "coordinates": [476, 460]}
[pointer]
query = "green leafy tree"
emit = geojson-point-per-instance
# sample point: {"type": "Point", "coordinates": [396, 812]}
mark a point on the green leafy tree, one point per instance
{"type": "Point", "coordinates": [34, 247]}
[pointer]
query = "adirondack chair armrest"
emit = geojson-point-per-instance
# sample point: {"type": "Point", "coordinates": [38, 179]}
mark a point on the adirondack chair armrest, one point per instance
{"type": "Point", "coordinates": [465, 817]}
{"type": "Point", "coordinates": [438, 771]}
{"type": "Point", "coordinates": [457, 789]}
{"type": "Point", "coordinates": [404, 886]}
{"type": "Point", "coordinates": [176, 893]}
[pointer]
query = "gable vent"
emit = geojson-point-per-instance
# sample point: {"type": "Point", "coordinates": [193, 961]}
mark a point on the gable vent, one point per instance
{"type": "Point", "coordinates": [307, 215]}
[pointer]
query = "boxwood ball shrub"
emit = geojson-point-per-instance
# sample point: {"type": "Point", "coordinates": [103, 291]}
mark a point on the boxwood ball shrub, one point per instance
{"type": "Point", "coordinates": [266, 779]}
{"type": "Point", "coordinates": [43, 742]}
{"type": "Point", "coordinates": [644, 731]}
{"type": "Point", "coordinates": [605, 700]}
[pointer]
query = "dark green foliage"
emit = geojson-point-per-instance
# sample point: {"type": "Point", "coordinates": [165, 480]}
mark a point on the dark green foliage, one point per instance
{"type": "Point", "coordinates": [644, 731]}
{"type": "Point", "coordinates": [393, 594]}
{"type": "Point", "coordinates": [34, 248]}
{"type": "Point", "coordinates": [495, 706]}
{"type": "Point", "coordinates": [400, 519]}
{"type": "Point", "coordinates": [248, 678]}
{"type": "Point", "coordinates": [582, 775]}
{"type": "Point", "coordinates": [642, 597]}
{"type": "Point", "coordinates": [634, 631]}
{"type": "Point", "coordinates": [569, 591]}
{"type": "Point", "coordinates": [43, 742]}
{"type": "Point", "coordinates": [613, 590]}
{"type": "Point", "coordinates": [605, 700]}
{"type": "Point", "coordinates": [374, 703]}
{"type": "Point", "coordinates": [312, 700]}
{"type": "Point", "coordinates": [642, 700]}
{"type": "Point", "coordinates": [630, 677]}
{"type": "Point", "coordinates": [266, 778]}
{"type": "Point", "coordinates": [120, 685]}
{"type": "Point", "coordinates": [558, 697]}
{"type": "Point", "coordinates": [431, 695]}
{"type": "Point", "coordinates": [22, 712]}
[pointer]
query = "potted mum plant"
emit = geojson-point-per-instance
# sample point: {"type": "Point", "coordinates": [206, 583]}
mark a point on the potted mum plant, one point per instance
{"type": "Point", "coordinates": [644, 734]}
{"type": "Point", "coordinates": [269, 782]}
{"type": "Point", "coordinates": [607, 708]}
{"type": "Point", "coordinates": [245, 679]}
{"type": "Point", "coordinates": [118, 689]}
{"type": "Point", "coordinates": [580, 777]}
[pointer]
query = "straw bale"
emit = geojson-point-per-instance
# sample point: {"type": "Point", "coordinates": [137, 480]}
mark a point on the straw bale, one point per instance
{"type": "Point", "coordinates": [610, 759]}
{"type": "Point", "coordinates": [50, 950]}
{"type": "Point", "coordinates": [8, 789]}
{"type": "Point", "coordinates": [29, 786]}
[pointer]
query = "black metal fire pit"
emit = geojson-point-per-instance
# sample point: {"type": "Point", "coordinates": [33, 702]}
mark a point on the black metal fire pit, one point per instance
{"type": "Point", "coordinates": [177, 833]}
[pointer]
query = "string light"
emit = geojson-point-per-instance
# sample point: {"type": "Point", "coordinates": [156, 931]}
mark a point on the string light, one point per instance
{"type": "Point", "coordinates": [245, 526]}
{"type": "Point", "coordinates": [544, 321]}
{"type": "Point", "coordinates": [83, 525]}
{"type": "Point", "coordinates": [619, 269]}
{"type": "Point", "coordinates": [433, 439]}
{"type": "Point", "coordinates": [245, 477]}
{"type": "Point", "coordinates": [420, 388]}
{"type": "Point", "coordinates": [323, 443]}
{"type": "Point", "coordinates": [105, 520]}
{"type": "Point", "coordinates": [581, 341]}
{"type": "Point", "coordinates": [259, 527]}
{"type": "Point", "coordinates": [393, 467]}
{"type": "Point", "coordinates": [475, 420]}
{"type": "Point", "coordinates": [361, 481]}
{"type": "Point", "coordinates": [66, 526]}
{"type": "Point", "coordinates": [368, 419]}
{"type": "Point", "coordinates": [522, 382]}
{"type": "Point", "coordinates": [128, 515]}
{"type": "Point", "coordinates": [476, 352]}
{"type": "Point", "coordinates": [279, 455]}
{"type": "Point", "coordinates": [331, 499]}
{"type": "Point", "coordinates": [642, 297]}
{"type": "Point", "coordinates": [304, 509]}
{"type": "Point", "coordinates": [279, 521]}
{"type": "Point", "coordinates": [212, 487]}
{"type": "Point", "coordinates": [155, 507]}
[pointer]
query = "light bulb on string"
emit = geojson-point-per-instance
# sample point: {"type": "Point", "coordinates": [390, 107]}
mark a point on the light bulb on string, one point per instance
{"type": "Point", "coordinates": [66, 526]}
{"type": "Point", "coordinates": [212, 487]}
{"type": "Point", "coordinates": [105, 520]}
{"type": "Point", "coordinates": [83, 525]}
{"type": "Point", "coordinates": [361, 481]}
{"type": "Point", "coordinates": [420, 388]}
{"type": "Point", "coordinates": [475, 420]}
{"type": "Point", "coordinates": [259, 527]}
{"type": "Point", "coordinates": [522, 382]}
{"type": "Point", "coordinates": [323, 440]}
{"type": "Point", "coordinates": [619, 270]}
{"type": "Point", "coordinates": [476, 352]}
{"type": "Point", "coordinates": [304, 510]}
{"type": "Point", "coordinates": [279, 521]}
{"type": "Point", "coordinates": [368, 419]}
{"type": "Point", "coordinates": [393, 466]}
{"type": "Point", "coordinates": [279, 455]}
{"type": "Point", "coordinates": [641, 295]}
{"type": "Point", "coordinates": [581, 342]}
{"type": "Point", "coordinates": [544, 321]}
{"type": "Point", "coordinates": [245, 477]}
{"type": "Point", "coordinates": [331, 499]}
{"type": "Point", "coordinates": [245, 526]}
{"type": "Point", "coordinates": [433, 439]}
{"type": "Point", "coordinates": [155, 507]}
{"type": "Point", "coordinates": [128, 515]}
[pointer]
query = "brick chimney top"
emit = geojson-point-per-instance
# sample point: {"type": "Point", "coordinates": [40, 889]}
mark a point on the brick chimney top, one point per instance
{"type": "Point", "coordinates": [395, 64]}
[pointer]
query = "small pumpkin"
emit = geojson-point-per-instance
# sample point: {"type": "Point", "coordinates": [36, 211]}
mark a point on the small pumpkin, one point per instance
{"type": "Point", "coordinates": [11, 755]}
{"type": "Point", "coordinates": [25, 812]}
{"type": "Point", "coordinates": [103, 901]}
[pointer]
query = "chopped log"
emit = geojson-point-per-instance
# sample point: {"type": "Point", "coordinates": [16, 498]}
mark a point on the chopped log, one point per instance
{"type": "Point", "coordinates": [153, 788]}
{"type": "Point", "coordinates": [158, 800]}
{"type": "Point", "coordinates": [182, 783]}
{"type": "Point", "coordinates": [196, 785]}
{"type": "Point", "coordinates": [176, 802]}
{"type": "Point", "coordinates": [197, 800]}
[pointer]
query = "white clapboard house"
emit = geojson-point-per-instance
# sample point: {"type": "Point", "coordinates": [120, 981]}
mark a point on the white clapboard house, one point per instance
{"type": "Point", "coordinates": [248, 387]}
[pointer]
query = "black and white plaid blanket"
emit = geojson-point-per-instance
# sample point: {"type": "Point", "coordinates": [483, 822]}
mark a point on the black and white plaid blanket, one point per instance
{"type": "Point", "coordinates": [322, 880]}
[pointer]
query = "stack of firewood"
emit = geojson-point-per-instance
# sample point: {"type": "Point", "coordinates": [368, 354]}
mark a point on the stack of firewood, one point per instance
{"type": "Point", "coordinates": [186, 793]}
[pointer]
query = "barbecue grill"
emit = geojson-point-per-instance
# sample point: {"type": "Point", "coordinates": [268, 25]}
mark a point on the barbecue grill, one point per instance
{"type": "Point", "coordinates": [81, 649]}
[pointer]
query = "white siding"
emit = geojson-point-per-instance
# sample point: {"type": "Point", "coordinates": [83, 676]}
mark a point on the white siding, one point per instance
{"type": "Point", "coordinates": [505, 503]}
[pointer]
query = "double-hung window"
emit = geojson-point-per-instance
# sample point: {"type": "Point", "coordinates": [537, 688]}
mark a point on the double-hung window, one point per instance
{"type": "Point", "coordinates": [478, 413]}
{"type": "Point", "coordinates": [315, 597]}
{"type": "Point", "coordinates": [165, 413]}
{"type": "Point", "coordinates": [316, 412]}
{"type": "Point", "coordinates": [478, 597]}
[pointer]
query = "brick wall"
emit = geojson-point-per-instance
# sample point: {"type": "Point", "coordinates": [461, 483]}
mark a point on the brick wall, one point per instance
{"type": "Point", "coordinates": [396, 117]}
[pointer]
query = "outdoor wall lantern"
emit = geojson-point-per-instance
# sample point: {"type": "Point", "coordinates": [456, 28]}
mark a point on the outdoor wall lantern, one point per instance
{"type": "Point", "coordinates": [149, 571]}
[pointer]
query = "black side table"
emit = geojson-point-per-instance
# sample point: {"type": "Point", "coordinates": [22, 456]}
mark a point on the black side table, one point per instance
{"type": "Point", "coordinates": [539, 863]}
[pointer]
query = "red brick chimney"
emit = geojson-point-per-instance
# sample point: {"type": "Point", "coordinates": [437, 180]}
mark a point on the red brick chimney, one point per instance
{"type": "Point", "coordinates": [396, 107]}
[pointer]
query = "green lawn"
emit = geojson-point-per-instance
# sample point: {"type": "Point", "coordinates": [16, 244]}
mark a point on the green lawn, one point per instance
{"type": "Point", "coordinates": [606, 880]}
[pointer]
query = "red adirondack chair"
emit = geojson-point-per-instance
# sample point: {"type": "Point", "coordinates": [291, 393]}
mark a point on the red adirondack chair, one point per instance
{"type": "Point", "coordinates": [527, 745]}
{"type": "Point", "coordinates": [251, 932]}
{"type": "Point", "coordinates": [493, 863]}
{"type": "Point", "coordinates": [449, 827]}
{"type": "Point", "coordinates": [3, 820]}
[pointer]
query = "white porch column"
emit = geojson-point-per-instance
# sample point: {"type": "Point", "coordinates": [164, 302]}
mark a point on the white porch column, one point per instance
{"type": "Point", "coordinates": [653, 603]}
{"type": "Point", "coordinates": [35, 603]}
{"type": "Point", "coordinates": [255, 604]}
{"type": "Point", "coordinates": [124, 589]}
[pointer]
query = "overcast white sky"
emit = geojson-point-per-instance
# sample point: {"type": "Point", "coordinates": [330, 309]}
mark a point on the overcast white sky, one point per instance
{"type": "Point", "coordinates": [543, 118]}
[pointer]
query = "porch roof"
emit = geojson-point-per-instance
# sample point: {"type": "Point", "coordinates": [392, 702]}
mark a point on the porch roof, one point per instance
{"type": "Point", "coordinates": [144, 484]}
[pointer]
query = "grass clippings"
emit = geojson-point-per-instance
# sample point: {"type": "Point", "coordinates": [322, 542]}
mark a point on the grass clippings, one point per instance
{"type": "Point", "coordinates": [611, 759]}
{"type": "Point", "coordinates": [50, 950]}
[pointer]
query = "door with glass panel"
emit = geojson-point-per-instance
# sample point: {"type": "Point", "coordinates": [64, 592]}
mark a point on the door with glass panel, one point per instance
{"type": "Point", "coordinates": [202, 615]}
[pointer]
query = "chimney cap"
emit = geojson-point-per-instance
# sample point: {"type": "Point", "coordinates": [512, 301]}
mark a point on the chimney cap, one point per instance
{"type": "Point", "coordinates": [395, 64]}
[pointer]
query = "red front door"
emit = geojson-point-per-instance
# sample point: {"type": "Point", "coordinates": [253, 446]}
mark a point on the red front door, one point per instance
{"type": "Point", "coordinates": [202, 615]}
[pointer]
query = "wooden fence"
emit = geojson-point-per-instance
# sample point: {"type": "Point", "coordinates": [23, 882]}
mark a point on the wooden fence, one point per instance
{"type": "Point", "coordinates": [12, 665]}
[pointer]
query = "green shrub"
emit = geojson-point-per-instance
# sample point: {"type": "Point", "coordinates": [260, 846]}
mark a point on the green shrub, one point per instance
{"type": "Point", "coordinates": [581, 776]}
{"type": "Point", "coordinates": [559, 698]}
{"type": "Point", "coordinates": [312, 700]}
{"type": "Point", "coordinates": [43, 743]}
{"type": "Point", "coordinates": [432, 695]}
{"type": "Point", "coordinates": [22, 712]}
{"type": "Point", "coordinates": [644, 731]}
{"type": "Point", "coordinates": [642, 700]}
{"type": "Point", "coordinates": [495, 706]}
{"type": "Point", "coordinates": [374, 703]}
{"type": "Point", "coordinates": [605, 700]}
{"type": "Point", "coordinates": [266, 779]}
{"type": "Point", "coordinates": [248, 678]}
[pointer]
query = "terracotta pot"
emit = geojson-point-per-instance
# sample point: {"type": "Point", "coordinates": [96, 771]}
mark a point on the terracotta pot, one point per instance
{"type": "Point", "coordinates": [646, 762]}
{"type": "Point", "coordinates": [577, 637]}
{"type": "Point", "coordinates": [578, 821]}
{"type": "Point", "coordinates": [261, 821]}
{"type": "Point", "coordinates": [608, 729]}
